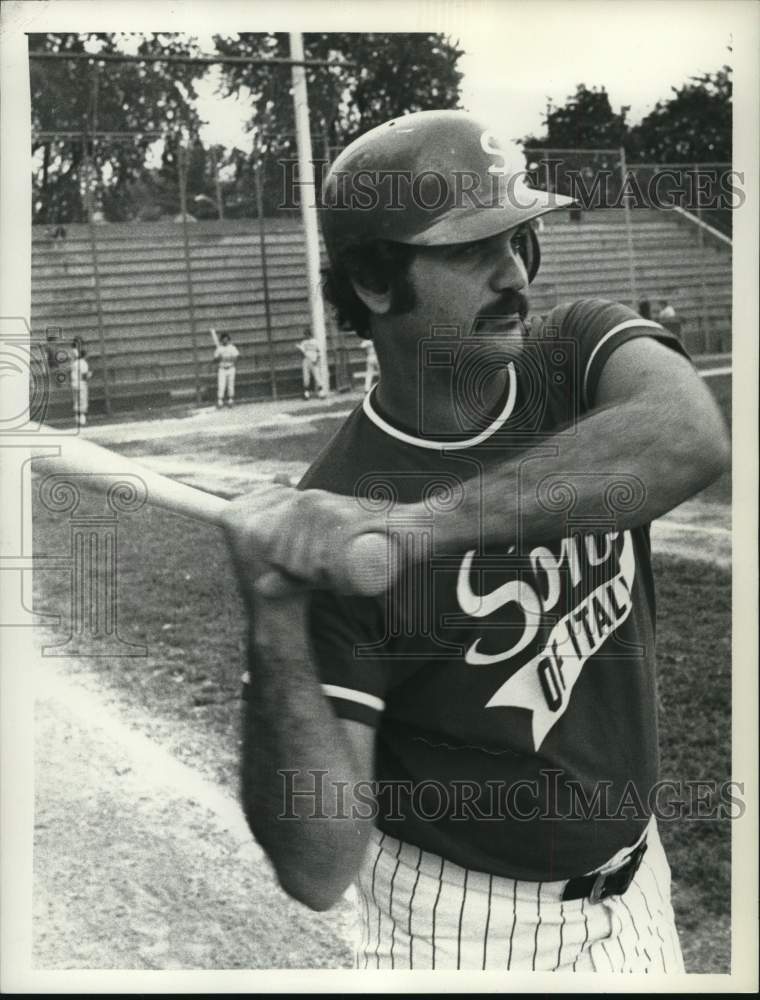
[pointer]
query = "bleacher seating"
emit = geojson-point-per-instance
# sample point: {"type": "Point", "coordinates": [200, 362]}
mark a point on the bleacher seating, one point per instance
{"type": "Point", "coordinates": [147, 332]}
{"type": "Point", "coordinates": [589, 257]}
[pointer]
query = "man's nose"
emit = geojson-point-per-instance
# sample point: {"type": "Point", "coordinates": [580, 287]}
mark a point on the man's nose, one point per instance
{"type": "Point", "coordinates": [509, 270]}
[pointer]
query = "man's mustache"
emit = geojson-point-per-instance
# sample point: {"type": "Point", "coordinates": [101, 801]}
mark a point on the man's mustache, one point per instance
{"type": "Point", "coordinates": [509, 305]}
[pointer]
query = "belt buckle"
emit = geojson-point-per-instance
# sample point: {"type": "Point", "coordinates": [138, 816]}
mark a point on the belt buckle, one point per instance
{"type": "Point", "coordinates": [634, 863]}
{"type": "Point", "coordinates": [597, 888]}
{"type": "Point", "coordinates": [623, 876]}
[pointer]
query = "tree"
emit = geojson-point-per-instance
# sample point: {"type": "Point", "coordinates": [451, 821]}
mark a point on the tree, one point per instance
{"type": "Point", "coordinates": [374, 77]}
{"type": "Point", "coordinates": [694, 126]}
{"type": "Point", "coordinates": [80, 97]}
{"type": "Point", "coordinates": [580, 128]}
{"type": "Point", "coordinates": [585, 121]}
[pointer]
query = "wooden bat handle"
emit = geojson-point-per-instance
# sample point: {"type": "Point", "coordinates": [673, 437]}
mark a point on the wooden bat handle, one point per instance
{"type": "Point", "coordinates": [80, 457]}
{"type": "Point", "coordinates": [365, 566]}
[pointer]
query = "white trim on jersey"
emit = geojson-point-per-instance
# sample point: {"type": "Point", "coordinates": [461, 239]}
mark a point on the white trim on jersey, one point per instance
{"type": "Point", "coordinates": [610, 333]}
{"type": "Point", "coordinates": [349, 694]}
{"type": "Point", "coordinates": [376, 419]}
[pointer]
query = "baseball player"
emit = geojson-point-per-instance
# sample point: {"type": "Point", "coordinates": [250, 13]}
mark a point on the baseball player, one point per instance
{"type": "Point", "coordinates": [476, 749]}
{"type": "Point", "coordinates": [80, 375]}
{"type": "Point", "coordinates": [225, 355]}
{"type": "Point", "coordinates": [371, 368]}
{"type": "Point", "coordinates": [311, 365]}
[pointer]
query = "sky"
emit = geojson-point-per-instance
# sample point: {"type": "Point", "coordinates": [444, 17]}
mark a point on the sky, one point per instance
{"type": "Point", "coordinates": [637, 56]}
{"type": "Point", "coordinates": [517, 56]}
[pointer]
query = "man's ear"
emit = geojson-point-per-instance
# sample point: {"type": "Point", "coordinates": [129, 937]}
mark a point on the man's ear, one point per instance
{"type": "Point", "coordinates": [378, 302]}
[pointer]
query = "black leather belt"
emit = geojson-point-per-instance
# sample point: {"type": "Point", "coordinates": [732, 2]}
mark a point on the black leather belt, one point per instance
{"type": "Point", "coordinates": [596, 886]}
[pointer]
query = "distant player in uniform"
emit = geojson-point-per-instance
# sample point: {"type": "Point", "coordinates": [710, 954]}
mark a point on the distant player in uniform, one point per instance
{"type": "Point", "coordinates": [311, 365]}
{"type": "Point", "coordinates": [668, 317]}
{"type": "Point", "coordinates": [666, 311]}
{"type": "Point", "coordinates": [475, 749]}
{"type": "Point", "coordinates": [225, 355]}
{"type": "Point", "coordinates": [80, 375]}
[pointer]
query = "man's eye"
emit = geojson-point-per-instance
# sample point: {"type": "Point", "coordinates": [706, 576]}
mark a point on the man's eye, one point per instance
{"type": "Point", "coordinates": [518, 242]}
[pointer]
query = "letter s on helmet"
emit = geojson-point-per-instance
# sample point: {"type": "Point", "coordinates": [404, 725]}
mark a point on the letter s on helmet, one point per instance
{"type": "Point", "coordinates": [427, 179]}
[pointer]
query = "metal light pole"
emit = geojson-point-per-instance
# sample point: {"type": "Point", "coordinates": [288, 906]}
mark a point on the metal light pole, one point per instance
{"type": "Point", "coordinates": [217, 186]}
{"type": "Point", "coordinates": [702, 290]}
{"type": "Point", "coordinates": [182, 170]}
{"type": "Point", "coordinates": [308, 205]}
{"type": "Point", "coordinates": [264, 275]}
{"type": "Point", "coordinates": [628, 231]}
{"type": "Point", "coordinates": [89, 171]}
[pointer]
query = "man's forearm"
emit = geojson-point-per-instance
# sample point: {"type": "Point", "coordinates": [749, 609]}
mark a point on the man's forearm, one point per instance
{"type": "Point", "coordinates": [290, 727]}
{"type": "Point", "coordinates": [619, 469]}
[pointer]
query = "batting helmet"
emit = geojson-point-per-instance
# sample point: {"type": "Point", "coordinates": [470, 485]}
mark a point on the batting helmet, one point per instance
{"type": "Point", "coordinates": [427, 179]}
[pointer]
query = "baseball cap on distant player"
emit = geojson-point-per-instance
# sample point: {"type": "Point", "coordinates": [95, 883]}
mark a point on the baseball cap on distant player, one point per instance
{"type": "Point", "coordinates": [429, 178]}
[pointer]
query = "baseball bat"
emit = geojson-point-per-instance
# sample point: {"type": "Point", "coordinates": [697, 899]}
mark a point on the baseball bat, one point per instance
{"type": "Point", "coordinates": [363, 568]}
{"type": "Point", "coordinates": [214, 337]}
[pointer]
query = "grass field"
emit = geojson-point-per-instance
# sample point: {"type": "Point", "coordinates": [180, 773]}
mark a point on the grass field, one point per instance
{"type": "Point", "coordinates": [177, 597]}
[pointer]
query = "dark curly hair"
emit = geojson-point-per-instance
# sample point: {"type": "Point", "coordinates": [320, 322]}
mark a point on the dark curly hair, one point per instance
{"type": "Point", "coordinates": [379, 266]}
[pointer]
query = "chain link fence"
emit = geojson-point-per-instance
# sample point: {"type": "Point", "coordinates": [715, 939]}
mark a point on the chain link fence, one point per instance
{"type": "Point", "coordinates": [676, 219]}
{"type": "Point", "coordinates": [218, 242]}
{"type": "Point", "coordinates": [209, 247]}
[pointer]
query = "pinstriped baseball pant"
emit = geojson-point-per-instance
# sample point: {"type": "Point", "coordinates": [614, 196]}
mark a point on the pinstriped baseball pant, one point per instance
{"type": "Point", "coordinates": [225, 382]}
{"type": "Point", "coordinates": [417, 911]}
